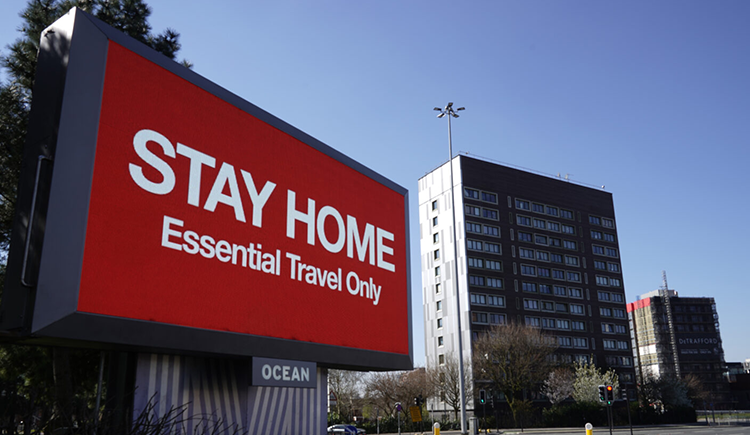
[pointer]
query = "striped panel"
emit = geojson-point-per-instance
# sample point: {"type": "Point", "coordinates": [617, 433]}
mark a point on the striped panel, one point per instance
{"type": "Point", "coordinates": [207, 394]}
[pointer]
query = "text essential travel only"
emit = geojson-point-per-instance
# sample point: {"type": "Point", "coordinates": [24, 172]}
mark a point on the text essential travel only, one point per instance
{"type": "Point", "coordinates": [370, 245]}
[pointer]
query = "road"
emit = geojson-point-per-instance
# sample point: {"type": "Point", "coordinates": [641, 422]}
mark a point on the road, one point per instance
{"type": "Point", "coordinates": [640, 430]}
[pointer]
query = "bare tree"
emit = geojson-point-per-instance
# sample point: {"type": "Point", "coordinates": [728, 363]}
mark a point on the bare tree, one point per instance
{"type": "Point", "coordinates": [559, 385]}
{"type": "Point", "coordinates": [513, 358]}
{"type": "Point", "coordinates": [385, 389]}
{"type": "Point", "coordinates": [345, 385]}
{"type": "Point", "coordinates": [444, 380]}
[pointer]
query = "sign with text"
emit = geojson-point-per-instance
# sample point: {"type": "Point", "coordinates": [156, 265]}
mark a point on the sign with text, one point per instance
{"type": "Point", "coordinates": [195, 209]}
{"type": "Point", "coordinates": [269, 372]}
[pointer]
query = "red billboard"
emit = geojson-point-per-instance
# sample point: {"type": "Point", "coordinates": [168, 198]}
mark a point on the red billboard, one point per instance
{"type": "Point", "coordinates": [205, 213]}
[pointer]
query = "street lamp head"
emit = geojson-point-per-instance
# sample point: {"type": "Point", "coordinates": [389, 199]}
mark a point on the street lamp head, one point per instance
{"type": "Point", "coordinates": [438, 109]}
{"type": "Point", "coordinates": [450, 105]}
{"type": "Point", "coordinates": [441, 115]}
{"type": "Point", "coordinates": [454, 115]}
{"type": "Point", "coordinates": [460, 109]}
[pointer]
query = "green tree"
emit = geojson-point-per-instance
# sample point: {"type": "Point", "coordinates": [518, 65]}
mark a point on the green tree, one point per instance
{"type": "Point", "coordinates": [513, 359]}
{"type": "Point", "coordinates": [53, 383]}
{"type": "Point", "coordinates": [588, 377]}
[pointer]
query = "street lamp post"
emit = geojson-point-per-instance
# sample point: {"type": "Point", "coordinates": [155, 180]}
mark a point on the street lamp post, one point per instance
{"type": "Point", "coordinates": [448, 110]}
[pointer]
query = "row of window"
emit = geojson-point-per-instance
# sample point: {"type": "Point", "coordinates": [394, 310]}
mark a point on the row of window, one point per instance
{"type": "Point", "coordinates": [696, 351]}
{"type": "Point", "coordinates": [487, 230]}
{"type": "Point", "coordinates": [598, 235]}
{"type": "Point", "coordinates": [478, 245]}
{"type": "Point", "coordinates": [558, 307]}
{"type": "Point", "coordinates": [614, 328]}
{"type": "Point", "coordinates": [481, 318]}
{"type": "Point", "coordinates": [564, 324]}
{"type": "Point", "coordinates": [605, 222]}
{"type": "Point", "coordinates": [485, 281]}
{"type": "Point", "coordinates": [480, 195]}
{"type": "Point", "coordinates": [546, 272]}
{"type": "Point", "coordinates": [606, 281]}
{"type": "Point", "coordinates": [483, 263]}
{"type": "Point", "coordinates": [557, 290]}
{"type": "Point", "coordinates": [523, 204]}
{"type": "Point", "coordinates": [619, 361]}
{"type": "Point", "coordinates": [611, 344]}
{"type": "Point", "coordinates": [542, 224]}
{"type": "Point", "coordinates": [487, 213]}
{"type": "Point", "coordinates": [612, 312]}
{"type": "Point", "coordinates": [577, 342]}
{"type": "Point", "coordinates": [603, 265]}
{"type": "Point", "coordinates": [490, 300]}
{"type": "Point", "coordinates": [604, 250]}
{"type": "Point", "coordinates": [610, 297]}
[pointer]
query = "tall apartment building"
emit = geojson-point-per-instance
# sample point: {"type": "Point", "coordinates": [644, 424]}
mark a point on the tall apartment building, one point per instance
{"type": "Point", "coordinates": [532, 249]}
{"type": "Point", "coordinates": [676, 336]}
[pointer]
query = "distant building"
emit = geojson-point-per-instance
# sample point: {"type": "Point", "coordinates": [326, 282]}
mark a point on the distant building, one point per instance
{"type": "Point", "coordinates": [532, 249]}
{"type": "Point", "coordinates": [676, 336]}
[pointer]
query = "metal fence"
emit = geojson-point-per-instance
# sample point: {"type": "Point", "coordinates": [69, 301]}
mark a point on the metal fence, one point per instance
{"type": "Point", "coordinates": [724, 418]}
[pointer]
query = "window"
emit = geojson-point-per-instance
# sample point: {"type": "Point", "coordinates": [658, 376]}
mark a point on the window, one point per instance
{"type": "Point", "coordinates": [568, 229]}
{"type": "Point", "coordinates": [554, 241]}
{"type": "Point", "coordinates": [491, 231]}
{"type": "Point", "coordinates": [600, 265]}
{"type": "Point", "coordinates": [553, 226]}
{"type": "Point", "coordinates": [595, 220]}
{"type": "Point", "coordinates": [569, 244]}
{"type": "Point", "coordinates": [489, 197]}
{"type": "Point", "coordinates": [523, 205]}
{"type": "Point", "coordinates": [609, 344]}
{"type": "Point", "coordinates": [497, 301]}
{"type": "Point", "coordinates": [526, 253]}
{"type": "Point", "coordinates": [622, 345]}
{"type": "Point", "coordinates": [528, 270]}
{"type": "Point", "coordinates": [439, 305]}
{"type": "Point", "coordinates": [609, 237]}
{"type": "Point", "coordinates": [577, 309]}
{"type": "Point", "coordinates": [542, 255]}
{"type": "Point", "coordinates": [493, 264]}
{"type": "Point", "coordinates": [574, 276]}
{"type": "Point", "coordinates": [564, 341]}
{"type": "Point", "coordinates": [596, 235]}
{"type": "Point", "coordinates": [560, 290]}
{"type": "Point", "coordinates": [577, 325]}
{"type": "Point", "coordinates": [552, 211]}
{"type": "Point", "coordinates": [602, 280]}
{"type": "Point", "coordinates": [558, 274]}
{"type": "Point", "coordinates": [471, 227]}
{"type": "Point", "coordinates": [523, 220]}
{"type": "Point", "coordinates": [495, 282]}
{"type": "Point", "coordinates": [543, 272]}
{"type": "Point", "coordinates": [619, 313]}
{"type": "Point", "coordinates": [561, 308]}
{"type": "Point", "coordinates": [436, 238]}
{"type": "Point", "coordinates": [605, 312]}
{"type": "Point", "coordinates": [548, 306]}
{"type": "Point", "coordinates": [580, 342]}
{"type": "Point", "coordinates": [524, 237]}
{"type": "Point", "coordinates": [620, 329]}
{"type": "Point", "coordinates": [599, 250]}
{"type": "Point", "coordinates": [440, 340]}
{"type": "Point", "coordinates": [492, 248]}
{"type": "Point", "coordinates": [529, 287]}
{"type": "Point", "coordinates": [609, 223]}
{"type": "Point", "coordinates": [434, 221]}
{"type": "Point", "coordinates": [497, 319]}
{"type": "Point", "coordinates": [530, 304]}
{"type": "Point", "coordinates": [616, 297]}
{"type": "Point", "coordinates": [476, 280]}
{"type": "Point", "coordinates": [563, 324]}
{"type": "Point", "coordinates": [439, 323]}
{"type": "Point", "coordinates": [575, 293]}
{"type": "Point", "coordinates": [538, 223]}
{"type": "Point", "coordinates": [556, 258]}
{"type": "Point", "coordinates": [479, 317]}
{"type": "Point", "coordinates": [532, 321]}
{"type": "Point", "coordinates": [567, 214]}
{"type": "Point", "coordinates": [603, 296]}
{"type": "Point", "coordinates": [471, 193]}
{"type": "Point", "coordinates": [539, 208]}
{"type": "Point", "coordinates": [489, 213]}
{"type": "Point", "coordinates": [545, 289]}
{"type": "Point", "coordinates": [613, 267]}
{"type": "Point", "coordinates": [436, 254]}
{"type": "Point", "coordinates": [437, 270]}
{"type": "Point", "coordinates": [474, 245]}
{"type": "Point", "coordinates": [611, 252]}
{"type": "Point", "coordinates": [473, 210]}
{"type": "Point", "coordinates": [571, 260]}
{"type": "Point", "coordinates": [478, 299]}
{"type": "Point", "coordinates": [615, 282]}
{"type": "Point", "coordinates": [438, 288]}
{"type": "Point", "coordinates": [540, 239]}
{"type": "Point", "coordinates": [441, 359]}
{"type": "Point", "coordinates": [475, 262]}
{"type": "Point", "coordinates": [434, 205]}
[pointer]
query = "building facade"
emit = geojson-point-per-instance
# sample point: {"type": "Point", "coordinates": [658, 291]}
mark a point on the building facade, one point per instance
{"type": "Point", "coordinates": [677, 336]}
{"type": "Point", "coordinates": [531, 249]}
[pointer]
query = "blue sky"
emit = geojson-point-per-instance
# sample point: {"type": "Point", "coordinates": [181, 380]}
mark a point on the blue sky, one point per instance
{"type": "Point", "coordinates": [650, 99]}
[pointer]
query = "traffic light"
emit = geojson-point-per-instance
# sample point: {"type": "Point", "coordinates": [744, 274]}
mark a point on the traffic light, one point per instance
{"type": "Point", "coordinates": [416, 401]}
{"type": "Point", "coordinates": [482, 397]}
{"type": "Point", "coordinates": [610, 394]}
{"type": "Point", "coordinates": [602, 393]}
